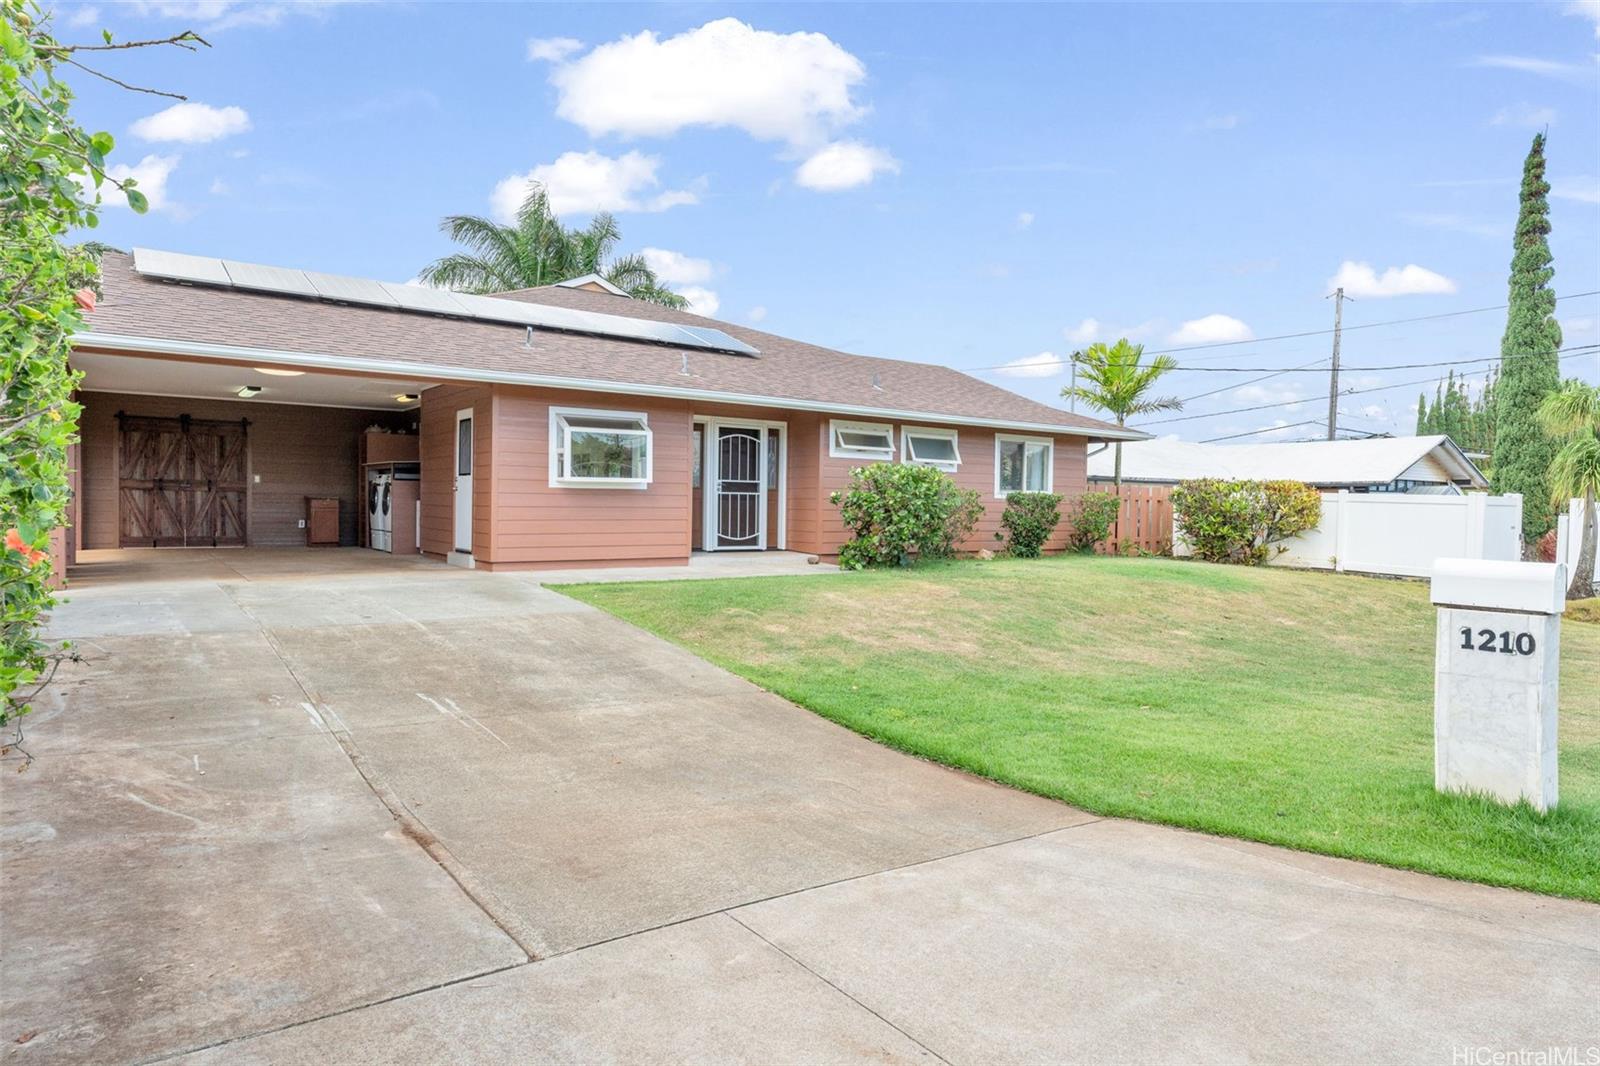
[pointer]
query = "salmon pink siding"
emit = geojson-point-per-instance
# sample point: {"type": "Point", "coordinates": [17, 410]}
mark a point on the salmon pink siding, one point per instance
{"type": "Point", "coordinates": [977, 449]}
{"type": "Point", "coordinates": [521, 521]}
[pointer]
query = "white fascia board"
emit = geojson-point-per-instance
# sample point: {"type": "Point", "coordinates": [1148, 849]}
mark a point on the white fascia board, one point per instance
{"type": "Point", "coordinates": [391, 368]}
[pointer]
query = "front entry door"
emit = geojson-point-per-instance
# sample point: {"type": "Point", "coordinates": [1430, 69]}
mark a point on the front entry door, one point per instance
{"type": "Point", "coordinates": [463, 505]}
{"type": "Point", "coordinates": [181, 482]}
{"type": "Point", "coordinates": [741, 484]}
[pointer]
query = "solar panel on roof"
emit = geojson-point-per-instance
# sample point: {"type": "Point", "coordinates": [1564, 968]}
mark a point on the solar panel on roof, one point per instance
{"type": "Point", "coordinates": [350, 290]}
{"type": "Point", "coordinates": [716, 338]}
{"type": "Point", "coordinates": [422, 298]}
{"type": "Point", "coordinates": [269, 278]}
{"type": "Point", "coordinates": [180, 267]}
{"type": "Point", "coordinates": [257, 277]}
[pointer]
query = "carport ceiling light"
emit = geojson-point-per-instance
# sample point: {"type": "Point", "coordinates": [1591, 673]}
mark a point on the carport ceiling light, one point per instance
{"type": "Point", "coordinates": [247, 391]}
{"type": "Point", "coordinates": [406, 397]}
{"type": "Point", "coordinates": [277, 373]}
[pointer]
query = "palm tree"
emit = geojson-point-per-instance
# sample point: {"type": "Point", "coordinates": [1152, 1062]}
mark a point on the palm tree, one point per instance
{"type": "Point", "coordinates": [536, 249]}
{"type": "Point", "coordinates": [1117, 383]}
{"type": "Point", "coordinates": [1572, 415]}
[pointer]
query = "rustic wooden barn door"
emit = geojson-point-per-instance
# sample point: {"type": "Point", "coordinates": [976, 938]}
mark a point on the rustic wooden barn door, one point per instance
{"type": "Point", "coordinates": [182, 482]}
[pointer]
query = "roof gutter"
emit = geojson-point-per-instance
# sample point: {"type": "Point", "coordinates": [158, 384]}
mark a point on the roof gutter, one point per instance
{"type": "Point", "coordinates": [390, 368]}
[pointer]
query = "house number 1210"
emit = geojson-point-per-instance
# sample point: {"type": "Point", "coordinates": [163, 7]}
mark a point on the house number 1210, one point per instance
{"type": "Point", "coordinates": [1503, 642]}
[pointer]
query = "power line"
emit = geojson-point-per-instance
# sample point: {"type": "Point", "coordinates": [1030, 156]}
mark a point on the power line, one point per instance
{"type": "Point", "coordinates": [1296, 336]}
{"type": "Point", "coordinates": [1346, 369]}
{"type": "Point", "coordinates": [1265, 429]}
{"type": "Point", "coordinates": [1586, 349]}
{"type": "Point", "coordinates": [1252, 381]}
{"type": "Point", "coordinates": [1315, 367]}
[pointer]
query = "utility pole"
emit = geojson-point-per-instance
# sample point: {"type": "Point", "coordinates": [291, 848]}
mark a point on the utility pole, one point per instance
{"type": "Point", "coordinates": [1333, 379]}
{"type": "Point", "coordinates": [1072, 397]}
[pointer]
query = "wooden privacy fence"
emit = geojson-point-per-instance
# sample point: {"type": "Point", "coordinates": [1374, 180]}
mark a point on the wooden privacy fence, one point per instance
{"type": "Point", "coordinates": [1144, 521]}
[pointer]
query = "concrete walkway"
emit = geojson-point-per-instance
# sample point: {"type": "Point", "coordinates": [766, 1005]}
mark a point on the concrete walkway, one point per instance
{"type": "Point", "coordinates": [333, 807]}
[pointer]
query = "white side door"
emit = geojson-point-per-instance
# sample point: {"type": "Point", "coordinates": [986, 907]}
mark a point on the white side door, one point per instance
{"type": "Point", "coordinates": [463, 482]}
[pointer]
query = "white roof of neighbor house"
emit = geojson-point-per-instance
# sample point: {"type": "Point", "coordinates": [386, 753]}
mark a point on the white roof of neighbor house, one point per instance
{"type": "Point", "coordinates": [1374, 461]}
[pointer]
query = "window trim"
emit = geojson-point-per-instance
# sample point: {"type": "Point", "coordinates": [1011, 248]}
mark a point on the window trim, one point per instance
{"type": "Point", "coordinates": [1049, 463]}
{"type": "Point", "coordinates": [560, 435]}
{"type": "Point", "coordinates": [908, 453]}
{"type": "Point", "coordinates": [840, 451]}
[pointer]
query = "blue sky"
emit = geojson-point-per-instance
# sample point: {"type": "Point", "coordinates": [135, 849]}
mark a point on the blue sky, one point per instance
{"type": "Point", "coordinates": [970, 185]}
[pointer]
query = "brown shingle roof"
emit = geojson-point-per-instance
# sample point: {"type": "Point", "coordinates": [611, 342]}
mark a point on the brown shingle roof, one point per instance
{"type": "Point", "coordinates": [134, 306]}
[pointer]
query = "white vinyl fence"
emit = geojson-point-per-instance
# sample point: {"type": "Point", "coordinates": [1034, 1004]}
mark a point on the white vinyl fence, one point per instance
{"type": "Point", "coordinates": [1569, 537]}
{"type": "Point", "coordinates": [1401, 535]}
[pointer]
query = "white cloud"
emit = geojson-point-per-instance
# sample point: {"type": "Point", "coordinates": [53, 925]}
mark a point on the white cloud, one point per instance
{"type": "Point", "coordinates": [582, 182]}
{"type": "Point", "coordinates": [758, 313]}
{"type": "Point", "coordinates": [1360, 280]}
{"type": "Point", "coordinates": [844, 165]}
{"type": "Point", "coordinates": [552, 49]}
{"type": "Point", "coordinates": [1092, 329]}
{"type": "Point", "coordinates": [1085, 332]}
{"type": "Point", "coordinates": [192, 123]}
{"type": "Point", "coordinates": [1524, 115]}
{"type": "Point", "coordinates": [1571, 327]}
{"type": "Point", "coordinates": [220, 187]}
{"type": "Point", "coordinates": [1589, 9]}
{"type": "Point", "coordinates": [1544, 68]}
{"type": "Point", "coordinates": [1216, 122]}
{"type": "Point", "coordinates": [702, 301]}
{"type": "Point", "coordinates": [1043, 365]}
{"type": "Point", "coordinates": [151, 173]}
{"type": "Point", "coordinates": [1212, 329]}
{"type": "Point", "coordinates": [675, 268]}
{"type": "Point", "coordinates": [214, 15]}
{"type": "Point", "coordinates": [1024, 219]}
{"type": "Point", "coordinates": [83, 17]}
{"type": "Point", "coordinates": [1584, 190]}
{"type": "Point", "coordinates": [1254, 394]}
{"type": "Point", "coordinates": [790, 87]}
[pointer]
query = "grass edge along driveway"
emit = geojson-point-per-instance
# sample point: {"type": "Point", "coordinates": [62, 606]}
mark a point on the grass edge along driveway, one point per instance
{"type": "Point", "coordinates": [1288, 707]}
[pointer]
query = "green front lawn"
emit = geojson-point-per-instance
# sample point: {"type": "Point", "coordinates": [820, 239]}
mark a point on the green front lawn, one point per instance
{"type": "Point", "coordinates": [1289, 707]}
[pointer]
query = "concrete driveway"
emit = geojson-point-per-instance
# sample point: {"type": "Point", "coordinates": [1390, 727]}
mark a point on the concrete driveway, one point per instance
{"type": "Point", "coordinates": [333, 807]}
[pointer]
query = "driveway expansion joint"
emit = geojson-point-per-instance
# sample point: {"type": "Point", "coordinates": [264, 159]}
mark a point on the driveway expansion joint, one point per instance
{"type": "Point", "coordinates": [780, 950]}
{"type": "Point", "coordinates": [415, 830]}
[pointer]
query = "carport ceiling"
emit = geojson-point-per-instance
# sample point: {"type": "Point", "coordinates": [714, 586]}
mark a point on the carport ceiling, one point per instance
{"type": "Point", "coordinates": [170, 377]}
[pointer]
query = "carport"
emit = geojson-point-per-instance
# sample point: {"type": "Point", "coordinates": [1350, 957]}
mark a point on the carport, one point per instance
{"type": "Point", "coordinates": [183, 454]}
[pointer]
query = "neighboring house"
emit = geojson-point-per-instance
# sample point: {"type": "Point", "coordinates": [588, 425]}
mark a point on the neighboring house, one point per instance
{"type": "Point", "coordinates": [1419, 465]}
{"type": "Point", "coordinates": [563, 425]}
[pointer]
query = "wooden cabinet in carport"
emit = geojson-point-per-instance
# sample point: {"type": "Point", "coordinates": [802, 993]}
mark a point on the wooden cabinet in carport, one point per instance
{"type": "Point", "coordinates": [322, 520]}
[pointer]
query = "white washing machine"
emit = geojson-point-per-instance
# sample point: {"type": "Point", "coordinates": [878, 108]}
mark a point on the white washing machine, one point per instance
{"type": "Point", "coordinates": [380, 512]}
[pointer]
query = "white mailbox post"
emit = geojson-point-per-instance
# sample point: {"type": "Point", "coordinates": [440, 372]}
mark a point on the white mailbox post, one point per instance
{"type": "Point", "coordinates": [1495, 673]}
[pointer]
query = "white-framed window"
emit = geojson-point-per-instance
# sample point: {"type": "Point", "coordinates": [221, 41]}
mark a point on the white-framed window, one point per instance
{"type": "Point", "coordinates": [860, 440]}
{"type": "Point", "coordinates": [1022, 464]}
{"type": "Point", "coordinates": [928, 446]}
{"type": "Point", "coordinates": [599, 449]}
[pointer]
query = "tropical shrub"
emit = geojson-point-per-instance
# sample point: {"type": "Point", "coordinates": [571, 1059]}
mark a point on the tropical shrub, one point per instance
{"type": "Point", "coordinates": [898, 513]}
{"type": "Point", "coordinates": [52, 172]}
{"type": "Point", "coordinates": [1028, 521]}
{"type": "Point", "coordinates": [1243, 521]}
{"type": "Point", "coordinates": [1091, 517]}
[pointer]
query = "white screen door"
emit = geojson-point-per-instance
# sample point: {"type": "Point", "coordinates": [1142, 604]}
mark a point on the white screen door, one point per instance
{"type": "Point", "coordinates": [741, 486]}
{"type": "Point", "coordinates": [463, 482]}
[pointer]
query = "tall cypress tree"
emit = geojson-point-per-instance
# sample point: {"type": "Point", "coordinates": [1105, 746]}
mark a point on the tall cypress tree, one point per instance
{"type": "Point", "coordinates": [1529, 368]}
{"type": "Point", "coordinates": [1422, 414]}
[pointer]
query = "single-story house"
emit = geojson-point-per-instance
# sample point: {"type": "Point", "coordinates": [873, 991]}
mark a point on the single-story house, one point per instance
{"type": "Point", "coordinates": [1421, 465]}
{"type": "Point", "coordinates": [229, 403]}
